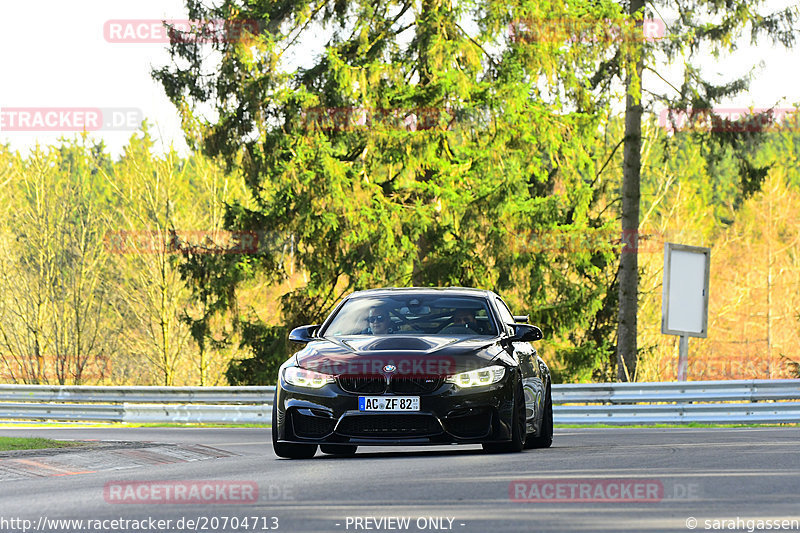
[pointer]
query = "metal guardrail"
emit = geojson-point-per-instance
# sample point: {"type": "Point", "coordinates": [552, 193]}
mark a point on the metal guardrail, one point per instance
{"type": "Point", "coordinates": [209, 414]}
{"type": "Point", "coordinates": [719, 402]}
{"type": "Point", "coordinates": [213, 405]}
{"type": "Point", "coordinates": [90, 394]}
{"type": "Point", "coordinates": [751, 390]}
{"type": "Point", "coordinates": [754, 401]}
{"type": "Point", "coordinates": [712, 413]}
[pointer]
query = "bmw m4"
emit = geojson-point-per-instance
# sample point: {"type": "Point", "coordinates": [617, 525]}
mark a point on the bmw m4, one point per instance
{"type": "Point", "coordinates": [414, 366]}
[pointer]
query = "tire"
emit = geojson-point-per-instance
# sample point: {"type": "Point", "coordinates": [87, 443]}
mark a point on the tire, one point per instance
{"type": "Point", "coordinates": [517, 442]}
{"type": "Point", "coordinates": [338, 449]}
{"type": "Point", "coordinates": [285, 449]}
{"type": "Point", "coordinates": [545, 437]}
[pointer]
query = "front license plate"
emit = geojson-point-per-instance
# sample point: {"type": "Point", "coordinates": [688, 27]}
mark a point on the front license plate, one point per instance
{"type": "Point", "coordinates": [388, 403]}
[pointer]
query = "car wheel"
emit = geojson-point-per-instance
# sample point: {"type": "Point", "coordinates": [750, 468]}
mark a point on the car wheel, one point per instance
{"type": "Point", "coordinates": [338, 449]}
{"type": "Point", "coordinates": [285, 449]}
{"type": "Point", "coordinates": [517, 442]}
{"type": "Point", "coordinates": [545, 437]}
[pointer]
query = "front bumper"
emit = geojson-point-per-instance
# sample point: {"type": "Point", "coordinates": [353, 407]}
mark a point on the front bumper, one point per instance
{"type": "Point", "coordinates": [447, 415]}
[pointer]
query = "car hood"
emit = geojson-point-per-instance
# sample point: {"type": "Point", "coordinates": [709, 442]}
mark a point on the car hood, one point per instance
{"type": "Point", "coordinates": [410, 355]}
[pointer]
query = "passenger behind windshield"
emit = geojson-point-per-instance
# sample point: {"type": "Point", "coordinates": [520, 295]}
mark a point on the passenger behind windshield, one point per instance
{"type": "Point", "coordinates": [379, 321]}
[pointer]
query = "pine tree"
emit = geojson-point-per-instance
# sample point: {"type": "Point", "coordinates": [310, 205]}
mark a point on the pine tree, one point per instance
{"type": "Point", "coordinates": [416, 144]}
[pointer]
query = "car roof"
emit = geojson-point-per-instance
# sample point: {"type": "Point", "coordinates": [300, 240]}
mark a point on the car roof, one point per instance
{"type": "Point", "coordinates": [456, 291]}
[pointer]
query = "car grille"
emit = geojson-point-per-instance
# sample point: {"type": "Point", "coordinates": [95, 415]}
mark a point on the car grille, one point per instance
{"type": "Point", "coordinates": [311, 426]}
{"type": "Point", "coordinates": [395, 425]}
{"type": "Point", "coordinates": [398, 384]}
{"type": "Point", "coordinates": [407, 385]}
{"type": "Point", "coordinates": [363, 385]}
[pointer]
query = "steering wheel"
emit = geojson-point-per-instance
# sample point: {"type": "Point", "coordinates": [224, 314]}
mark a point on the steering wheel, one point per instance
{"type": "Point", "coordinates": [458, 328]}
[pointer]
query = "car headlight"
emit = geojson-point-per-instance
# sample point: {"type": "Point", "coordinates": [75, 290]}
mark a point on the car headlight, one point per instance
{"type": "Point", "coordinates": [301, 377]}
{"type": "Point", "coordinates": [479, 377]}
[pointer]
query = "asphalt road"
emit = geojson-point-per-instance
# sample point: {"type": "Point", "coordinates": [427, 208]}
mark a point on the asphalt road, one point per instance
{"type": "Point", "coordinates": [636, 480]}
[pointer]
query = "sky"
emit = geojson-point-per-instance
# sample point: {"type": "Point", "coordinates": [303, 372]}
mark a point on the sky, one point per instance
{"type": "Point", "coordinates": [56, 56]}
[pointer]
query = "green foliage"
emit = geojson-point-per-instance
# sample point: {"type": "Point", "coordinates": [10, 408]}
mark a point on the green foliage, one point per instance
{"type": "Point", "coordinates": [704, 25]}
{"type": "Point", "coordinates": [90, 286]}
{"type": "Point", "coordinates": [503, 152]}
{"type": "Point", "coordinates": [269, 347]}
{"type": "Point", "coordinates": [55, 275]}
{"type": "Point", "coordinates": [381, 143]}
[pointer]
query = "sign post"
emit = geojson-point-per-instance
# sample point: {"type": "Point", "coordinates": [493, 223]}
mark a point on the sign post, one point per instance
{"type": "Point", "coordinates": [684, 302]}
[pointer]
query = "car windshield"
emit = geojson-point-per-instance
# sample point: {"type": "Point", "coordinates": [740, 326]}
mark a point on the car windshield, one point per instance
{"type": "Point", "coordinates": [413, 315]}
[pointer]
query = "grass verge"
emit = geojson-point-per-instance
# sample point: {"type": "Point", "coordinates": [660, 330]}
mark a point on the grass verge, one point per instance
{"type": "Point", "coordinates": [673, 426]}
{"type": "Point", "coordinates": [32, 443]}
{"type": "Point", "coordinates": [268, 426]}
{"type": "Point", "coordinates": [74, 425]}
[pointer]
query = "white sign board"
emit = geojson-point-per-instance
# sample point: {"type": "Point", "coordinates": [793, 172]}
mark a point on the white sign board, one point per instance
{"type": "Point", "coordinates": [684, 304]}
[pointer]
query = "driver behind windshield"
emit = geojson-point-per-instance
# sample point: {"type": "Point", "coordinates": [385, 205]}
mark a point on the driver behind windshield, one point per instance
{"type": "Point", "coordinates": [463, 322]}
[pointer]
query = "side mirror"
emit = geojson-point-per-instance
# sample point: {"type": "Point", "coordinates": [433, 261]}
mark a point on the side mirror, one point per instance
{"type": "Point", "coordinates": [525, 333]}
{"type": "Point", "coordinates": [303, 334]}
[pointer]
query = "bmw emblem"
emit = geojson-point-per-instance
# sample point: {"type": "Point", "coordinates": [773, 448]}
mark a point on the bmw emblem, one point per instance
{"type": "Point", "coordinates": [389, 368]}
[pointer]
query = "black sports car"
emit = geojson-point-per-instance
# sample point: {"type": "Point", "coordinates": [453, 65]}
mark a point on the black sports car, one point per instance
{"type": "Point", "coordinates": [414, 366]}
